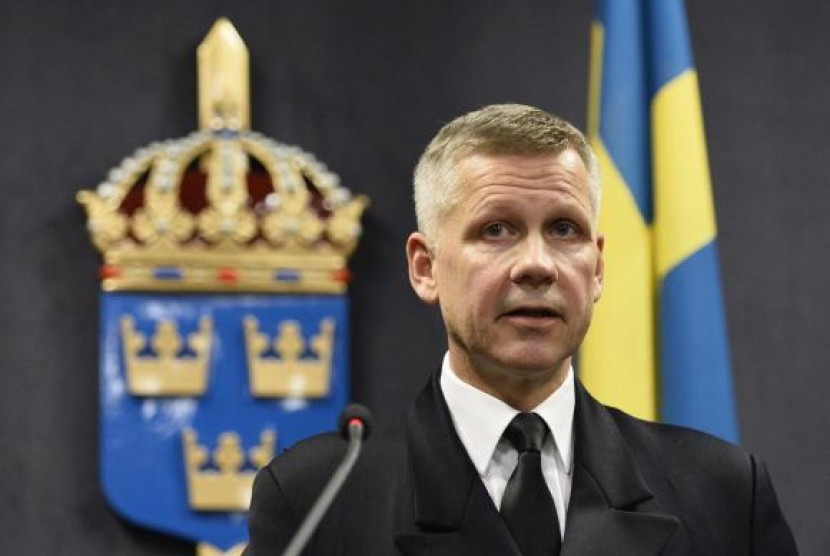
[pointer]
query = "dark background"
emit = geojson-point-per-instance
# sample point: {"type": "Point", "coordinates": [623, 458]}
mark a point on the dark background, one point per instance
{"type": "Point", "coordinates": [364, 85]}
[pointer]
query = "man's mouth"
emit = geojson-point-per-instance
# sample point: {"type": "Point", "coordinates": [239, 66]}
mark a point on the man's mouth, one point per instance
{"type": "Point", "coordinates": [541, 313]}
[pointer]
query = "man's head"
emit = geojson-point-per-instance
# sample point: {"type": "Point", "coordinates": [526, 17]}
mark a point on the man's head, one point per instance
{"type": "Point", "coordinates": [498, 129]}
{"type": "Point", "coordinates": [507, 199]}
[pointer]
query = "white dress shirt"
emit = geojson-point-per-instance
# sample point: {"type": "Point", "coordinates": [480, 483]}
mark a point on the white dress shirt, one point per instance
{"type": "Point", "coordinates": [480, 420]}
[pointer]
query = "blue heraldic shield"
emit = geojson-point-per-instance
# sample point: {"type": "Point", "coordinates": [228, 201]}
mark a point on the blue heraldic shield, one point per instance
{"type": "Point", "coordinates": [198, 391]}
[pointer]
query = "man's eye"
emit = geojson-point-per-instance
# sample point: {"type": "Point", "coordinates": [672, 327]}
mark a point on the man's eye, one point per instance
{"type": "Point", "coordinates": [565, 228]}
{"type": "Point", "coordinates": [495, 230]}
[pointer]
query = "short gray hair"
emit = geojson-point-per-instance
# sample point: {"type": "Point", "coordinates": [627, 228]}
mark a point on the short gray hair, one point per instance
{"type": "Point", "coordinates": [498, 129]}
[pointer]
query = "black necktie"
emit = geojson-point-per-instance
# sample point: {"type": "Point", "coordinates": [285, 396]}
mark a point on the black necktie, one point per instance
{"type": "Point", "coordinates": [527, 506]}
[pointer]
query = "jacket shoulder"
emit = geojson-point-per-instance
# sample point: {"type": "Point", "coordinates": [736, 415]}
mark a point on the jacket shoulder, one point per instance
{"type": "Point", "coordinates": [284, 490]}
{"type": "Point", "coordinates": [288, 486]}
{"type": "Point", "coordinates": [307, 465]}
{"type": "Point", "coordinates": [303, 470]}
{"type": "Point", "coordinates": [674, 439]}
{"type": "Point", "coordinates": [692, 458]}
{"type": "Point", "coordinates": [715, 484]}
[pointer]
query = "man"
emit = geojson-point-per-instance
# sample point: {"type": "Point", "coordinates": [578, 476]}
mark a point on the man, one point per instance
{"type": "Point", "coordinates": [504, 452]}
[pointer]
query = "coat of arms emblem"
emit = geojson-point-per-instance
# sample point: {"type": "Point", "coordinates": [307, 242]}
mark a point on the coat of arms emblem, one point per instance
{"type": "Point", "coordinates": [224, 320]}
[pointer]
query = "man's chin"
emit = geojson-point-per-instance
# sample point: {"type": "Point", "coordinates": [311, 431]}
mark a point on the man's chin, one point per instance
{"type": "Point", "coordinates": [533, 365]}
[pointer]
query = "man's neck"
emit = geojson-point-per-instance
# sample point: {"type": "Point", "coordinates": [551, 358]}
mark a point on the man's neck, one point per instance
{"type": "Point", "coordinates": [521, 390]}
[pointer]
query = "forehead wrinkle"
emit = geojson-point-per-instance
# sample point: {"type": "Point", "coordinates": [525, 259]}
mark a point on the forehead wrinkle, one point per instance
{"type": "Point", "coordinates": [503, 195]}
{"type": "Point", "coordinates": [489, 172]}
{"type": "Point", "coordinates": [534, 163]}
{"type": "Point", "coordinates": [561, 172]}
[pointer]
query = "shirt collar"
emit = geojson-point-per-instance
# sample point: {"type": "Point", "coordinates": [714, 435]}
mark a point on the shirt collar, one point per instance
{"type": "Point", "coordinates": [480, 419]}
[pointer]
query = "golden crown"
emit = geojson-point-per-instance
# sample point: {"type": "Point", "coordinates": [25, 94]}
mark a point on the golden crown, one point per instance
{"type": "Point", "coordinates": [290, 375]}
{"type": "Point", "coordinates": [226, 487]}
{"type": "Point", "coordinates": [223, 208]}
{"type": "Point", "coordinates": [166, 372]}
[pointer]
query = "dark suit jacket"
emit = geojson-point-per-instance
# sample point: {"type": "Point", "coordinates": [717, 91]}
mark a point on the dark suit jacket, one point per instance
{"type": "Point", "coordinates": [639, 489]}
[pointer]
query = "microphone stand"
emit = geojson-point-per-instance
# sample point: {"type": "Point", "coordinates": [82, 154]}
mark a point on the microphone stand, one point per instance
{"type": "Point", "coordinates": [355, 431]}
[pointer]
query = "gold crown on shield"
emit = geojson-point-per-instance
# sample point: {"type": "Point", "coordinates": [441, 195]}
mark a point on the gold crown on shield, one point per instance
{"type": "Point", "coordinates": [167, 371]}
{"type": "Point", "coordinates": [291, 374]}
{"type": "Point", "coordinates": [223, 479]}
{"type": "Point", "coordinates": [224, 208]}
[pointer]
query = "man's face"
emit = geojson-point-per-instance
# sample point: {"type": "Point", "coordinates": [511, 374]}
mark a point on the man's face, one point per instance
{"type": "Point", "coordinates": [516, 266]}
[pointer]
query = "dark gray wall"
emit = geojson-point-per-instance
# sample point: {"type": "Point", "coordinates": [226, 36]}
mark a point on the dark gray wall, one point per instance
{"type": "Point", "coordinates": [364, 85]}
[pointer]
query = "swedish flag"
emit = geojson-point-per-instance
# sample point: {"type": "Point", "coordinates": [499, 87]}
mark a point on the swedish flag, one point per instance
{"type": "Point", "coordinates": [657, 346]}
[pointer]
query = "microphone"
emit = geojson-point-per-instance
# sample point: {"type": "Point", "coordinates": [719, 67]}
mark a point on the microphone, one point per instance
{"type": "Point", "coordinates": [354, 426]}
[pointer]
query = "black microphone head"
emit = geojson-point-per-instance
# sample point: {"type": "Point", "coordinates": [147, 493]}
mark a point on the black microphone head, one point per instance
{"type": "Point", "coordinates": [354, 411]}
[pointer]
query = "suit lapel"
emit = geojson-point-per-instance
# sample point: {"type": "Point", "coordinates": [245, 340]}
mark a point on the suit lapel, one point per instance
{"type": "Point", "coordinates": [612, 509]}
{"type": "Point", "coordinates": [451, 512]}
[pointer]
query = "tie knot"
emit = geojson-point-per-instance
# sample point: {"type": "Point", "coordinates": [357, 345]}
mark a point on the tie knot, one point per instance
{"type": "Point", "coordinates": [527, 431]}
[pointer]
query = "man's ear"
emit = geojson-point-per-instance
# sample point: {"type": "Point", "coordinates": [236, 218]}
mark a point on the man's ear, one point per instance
{"type": "Point", "coordinates": [419, 257]}
{"type": "Point", "coordinates": [599, 271]}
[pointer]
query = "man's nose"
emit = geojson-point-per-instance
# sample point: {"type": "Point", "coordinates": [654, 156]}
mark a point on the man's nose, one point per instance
{"type": "Point", "coordinates": [535, 264]}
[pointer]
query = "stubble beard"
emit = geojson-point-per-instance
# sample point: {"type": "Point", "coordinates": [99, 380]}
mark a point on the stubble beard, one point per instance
{"type": "Point", "coordinates": [510, 383]}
